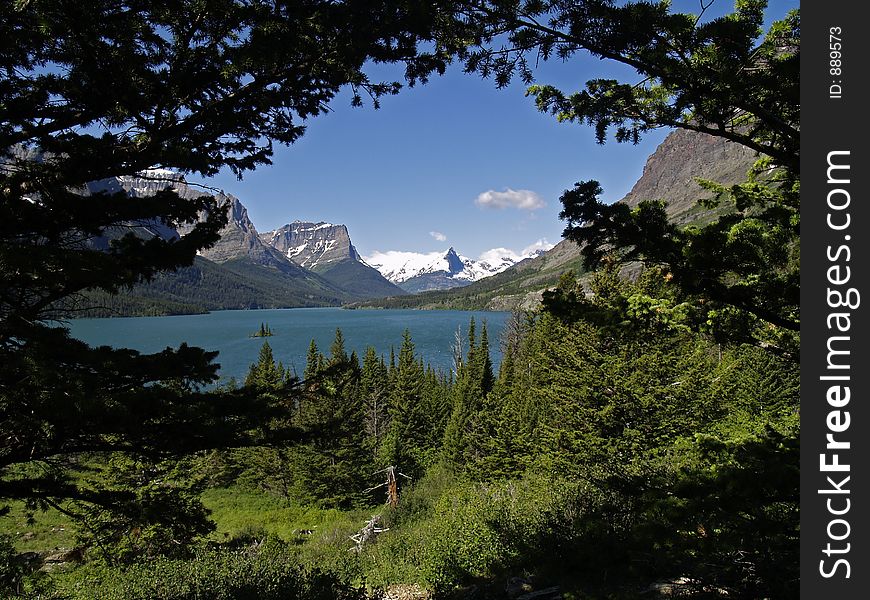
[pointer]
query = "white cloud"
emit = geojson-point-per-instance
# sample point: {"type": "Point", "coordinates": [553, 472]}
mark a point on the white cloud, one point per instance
{"type": "Point", "coordinates": [497, 255]}
{"type": "Point", "coordinates": [541, 244]}
{"type": "Point", "coordinates": [520, 199]}
{"type": "Point", "coordinates": [438, 236]}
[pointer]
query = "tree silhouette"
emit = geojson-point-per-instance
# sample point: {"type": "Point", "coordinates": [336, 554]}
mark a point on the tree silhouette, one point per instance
{"type": "Point", "coordinates": [98, 89]}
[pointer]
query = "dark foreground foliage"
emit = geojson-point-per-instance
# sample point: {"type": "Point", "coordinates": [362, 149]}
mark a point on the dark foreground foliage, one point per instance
{"type": "Point", "coordinates": [264, 571]}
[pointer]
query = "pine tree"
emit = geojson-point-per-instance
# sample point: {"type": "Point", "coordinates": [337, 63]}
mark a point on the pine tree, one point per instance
{"type": "Point", "coordinates": [375, 394]}
{"type": "Point", "coordinates": [337, 352]}
{"type": "Point", "coordinates": [484, 367]}
{"type": "Point", "coordinates": [332, 468]}
{"type": "Point", "coordinates": [436, 399]}
{"type": "Point", "coordinates": [505, 382]}
{"type": "Point", "coordinates": [502, 450]}
{"type": "Point", "coordinates": [405, 441]}
{"type": "Point", "coordinates": [97, 89]}
{"type": "Point", "coordinates": [313, 363]}
{"type": "Point", "coordinates": [465, 431]}
{"type": "Point", "coordinates": [266, 374]}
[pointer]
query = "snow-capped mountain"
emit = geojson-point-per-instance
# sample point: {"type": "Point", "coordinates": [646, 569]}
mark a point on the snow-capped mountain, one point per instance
{"type": "Point", "coordinates": [326, 249]}
{"type": "Point", "coordinates": [399, 266]}
{"type": "Point", "coordinates": [419, 272]}
{"type": "Point", "coordinates": [239, 239]}
{"type": "Point", "coordinates": [314, 246]}
{"type": "Point", "coordinates": [314, 261]}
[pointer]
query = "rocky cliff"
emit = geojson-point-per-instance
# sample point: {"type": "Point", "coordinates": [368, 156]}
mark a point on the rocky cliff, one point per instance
{"type": "Point", "coordinates": [315, 246]}
{"type": "Point", "coordinates": [239, 238]}
{"type": "Point", "coordinates": [239, 271]}
{"type": "Point", "coordinates": [671, 171]}
{"type": "Point", "coordinates": [326, 249]}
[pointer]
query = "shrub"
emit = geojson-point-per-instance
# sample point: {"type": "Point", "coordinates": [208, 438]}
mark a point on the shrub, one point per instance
{"type": "Point", "coordinates": [268, 571]}
{"type": "Point", "coordinates": [450, 534]}
{"type": "Point", "coordinates": [11, 566]}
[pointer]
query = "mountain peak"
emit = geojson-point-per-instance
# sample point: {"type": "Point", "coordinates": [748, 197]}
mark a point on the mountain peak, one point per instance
{"type": "Point", "coordinates": [455, 264]}
{"type": "Point", "coordinates": [417, 272]}
{"type": "Point", "coordinates": [310, 225]}
{"type": "Point", "coordinates": [314, 246]}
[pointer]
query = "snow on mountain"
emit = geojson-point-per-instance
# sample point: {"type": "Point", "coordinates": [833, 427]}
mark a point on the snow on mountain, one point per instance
{"type": "Point", "coordinates": [150, 181]}
{"type": "Point", "coordinates": [451, 268]}
{"type": "Point", "coordinates": [398, 266]}
{"type": "Point", "coordinates": [326, 249]}
{"type": "Point", "coordinates": [315, 246]}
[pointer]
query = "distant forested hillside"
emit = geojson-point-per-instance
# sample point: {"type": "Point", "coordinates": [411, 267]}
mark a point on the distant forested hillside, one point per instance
{"type": "Point", "coordinates": [670, 174]}
{"type": "Point", "coordinates": [206, 286]}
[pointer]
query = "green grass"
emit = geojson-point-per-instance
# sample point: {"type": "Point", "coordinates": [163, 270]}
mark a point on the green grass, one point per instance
{"type": "Point", "coordinates": [37, 531]}
{"type": "Point", "coordinates": [237, 513]}
{"type": "Point", "coordinates": [443, 532]}
{"type": "Point", "coordinates": [240, 513]}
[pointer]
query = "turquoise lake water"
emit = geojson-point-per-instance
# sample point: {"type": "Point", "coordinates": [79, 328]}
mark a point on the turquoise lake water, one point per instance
{"type": "Point", "coordinates": [228, 331]}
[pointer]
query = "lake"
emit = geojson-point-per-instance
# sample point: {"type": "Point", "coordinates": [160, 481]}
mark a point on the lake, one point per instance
{"type": "Point", "coordinates": [228, 331]}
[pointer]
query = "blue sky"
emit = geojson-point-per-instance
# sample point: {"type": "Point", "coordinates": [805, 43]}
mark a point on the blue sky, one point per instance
{"type": "Point", "coordinates": [451, 157]}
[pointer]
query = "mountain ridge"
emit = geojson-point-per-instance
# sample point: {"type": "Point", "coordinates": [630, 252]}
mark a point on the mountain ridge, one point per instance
{"type": "Point", "coordinates": [265, 267]}
{"type": "Point", "coordinates": [669, 173]}
{"type": "Point", "coordinates": [312, 245]}
{"type": "Point", "coordinates": [326, 249]}
{"type": "Point", "coordinates": [238, 271]}
{"type": "Point", "coordinates": [417, 272]}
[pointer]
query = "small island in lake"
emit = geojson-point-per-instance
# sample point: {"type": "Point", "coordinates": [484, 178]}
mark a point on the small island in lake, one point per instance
{"type": "Point", "coordinates": [264, 331]}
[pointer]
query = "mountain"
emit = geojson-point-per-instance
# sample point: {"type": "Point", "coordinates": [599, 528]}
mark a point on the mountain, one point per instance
{"type": "Point", "coordinates": [239, 240]}
{"type": "Point", "coordinates": [312, 245]}
{"type": "Point", "coordinates": [239, 271]}
{"type": "Point", "coordinates": [206, 286]}
{"type": "Point", "coordinates": [669, 173]}
{"type": "Point", "coordinates": [415, 272]}
{"type": "Point", "coordinates": [520, 285]}
{"type": "Point", "coordinates": [327, 250]}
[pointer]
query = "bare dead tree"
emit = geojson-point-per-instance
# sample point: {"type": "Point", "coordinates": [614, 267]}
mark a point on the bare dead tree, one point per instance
{"type": "Point", "coordinates": [457, 350]}
{"type": "Point", "coordinates": [514, 330]}
{"type": "Point", "coordinates": [367, 533]}
{"type": "Point", "coordinates": [391, 483]}
{"type": "Point", "coordinates": [376, 416]}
